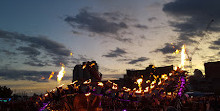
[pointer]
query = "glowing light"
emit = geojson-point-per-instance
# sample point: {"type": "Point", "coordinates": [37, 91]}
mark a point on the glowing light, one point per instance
{"type": "Point", "coordinates": [42, 77]}
{"type": "Point", "coordinates": [74, 82]}
{"type": "Point", "coordinates": [148, 81]}
{"type": "Point", "coordinates": [177, 51]}
{"type": "Point", "coordinates": [92, 64]}
{"type": "Point", "coordinates": [61, 85]}
{"type": "Point", "coordinates": [183, 56]}
{"type": "Point", "coordinates": [61, 73]}
{"type": "Point", "coordinates": [51, 75]}
{"type": "Point", "coordinates": [71, 54]}
{"type": "Point", "coordinates": [164, 76]}
{"type": "Point", "coordinates": [100, 84]}
{"type": "Point", "coordinates": [159, 83]}
{"type": "Point", "coordinates": [84, 66]}
{"type": "Point", "coordinates": [115, 86]}
{"type": "Point", "coordinates": [139, 82]}
{"type": "Point", "coordinates": [87, 81]}
{"type": "Point", "coordinates": [146, 89]}
{"type": "Point", "coordinates": [88, 94]}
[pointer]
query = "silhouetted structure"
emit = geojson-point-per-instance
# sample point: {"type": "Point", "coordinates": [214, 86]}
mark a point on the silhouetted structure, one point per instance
{"type": "Point", "coordinates": [88, 70]}
{"type": "Point", "coordinates": [133, 75]}
{"type": "Point", "coordinates": [212, 73]}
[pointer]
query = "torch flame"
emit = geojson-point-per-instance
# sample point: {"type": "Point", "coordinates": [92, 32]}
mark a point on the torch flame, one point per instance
{"type": "Point", "coordinates": [74, 82]}
{"type": "Point", "coordinates": [51, 75]}
{"type": "Point", "coordinates": [84, 66]}
{"type": "Point", "coordinates": [100, 84]}
{"type": "Point", "coordinates": [183, 56]}
{"type": "Point", "coordinates": [87, 81]}
{"type": "Point", "coordinates": [88, 94]}
{"type": "Point", "coordinates": [61, 73]}
{"type": "Point", "coordinates": [139, 82]}
{"type": "Point", "coordinates": [115, 86]}
{"type": "Point", "coordinates": [164, 76]}
{"type": "Point", "coordinates": [146, 89]}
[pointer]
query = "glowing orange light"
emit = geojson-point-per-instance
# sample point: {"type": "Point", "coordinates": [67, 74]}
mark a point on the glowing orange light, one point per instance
{"type": "Point", "coordinates": [61, 73]}
{"type": "Point", "coordinates": [88, 94]}
{"type": "Point", "coordinates": [51, 75]}
{"type": "Point", "coordinates": [100, 84]}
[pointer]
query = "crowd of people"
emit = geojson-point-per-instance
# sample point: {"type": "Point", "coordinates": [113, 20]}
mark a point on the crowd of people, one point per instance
{"type": "Point", "coordinates": [165, 94]}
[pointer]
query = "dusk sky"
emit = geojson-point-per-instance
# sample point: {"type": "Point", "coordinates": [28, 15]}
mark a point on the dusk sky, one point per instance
{"type": "Point", "coordinates": [37, 35]}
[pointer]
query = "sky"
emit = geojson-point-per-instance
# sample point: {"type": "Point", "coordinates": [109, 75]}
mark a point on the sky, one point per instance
{"type": "Point", "coordinates": [36, 37]}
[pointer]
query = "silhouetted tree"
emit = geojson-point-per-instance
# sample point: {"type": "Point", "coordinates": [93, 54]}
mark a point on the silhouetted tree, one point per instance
{"type": "Point", "coordinates": [5, 92]}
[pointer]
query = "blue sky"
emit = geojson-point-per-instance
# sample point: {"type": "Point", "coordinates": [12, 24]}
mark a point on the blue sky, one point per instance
{"type": "Point", "coordinates": [36, 36]}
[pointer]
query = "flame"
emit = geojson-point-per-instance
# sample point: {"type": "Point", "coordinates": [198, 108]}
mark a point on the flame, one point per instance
{"type": "Point", "coordinates": [164, 76]}
{"type": "Point", "coordinates": [148, 81]}
{"type": "Point", "coordinates": [183, 56]}
{"type": "Point", "coordinates": [88, 94]}
{"type": "Point", "coordinates": [115, 86]}
{"type": "Point", "coordinates": [92, 64]}
{"type": "Point", "coordinates": [71, 54]}
{"type": "Point", "coordinates": [51, 75]}
{"type": "Point", "coordinates": [146, 89]}
{"type": "Point", "coordinates": [127, 90]}
{"type": "Point", "coordinates": [42, 77]}
{"type": "Point", "coordinates": [159, 83]}
{"type": "Point", "coordinates": [177, 51]}
{"type": "Point", "coordinates": [61, 85]}
{"type": "Point", "coordinates": [84, 66]}
{"type": "Point", "coordinates": [46, 94]}
{"type": "Point", "coordinates": [138, 91]}
{"type": "Point", "coordinates": [152, 85]}
{"type": "Point", "coordinates": [74, 82]}
{"type": "Point", "coordinates": [139, 82]}
{"type": "Point", "coordinates": [87, 81]}
{"type": "Point", "coordinates": [61, 73]}
{"type": "Point", "coordinates": [100, 84]}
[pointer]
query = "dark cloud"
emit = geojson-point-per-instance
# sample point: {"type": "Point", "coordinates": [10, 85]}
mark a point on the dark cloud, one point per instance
{"type": "Point", "coordinates": [29, 51]}
{"type": "Point", "coordinates": [115, 53]}
{"type": "Point", "coordinates": [34, 46]}
{"type": "Point", "coordinates": [38, 76]}
{"type": "Point", "coordinates": [109, 24]}
{"type": "Point", "coordinates": [7, 52]}
{"type": "Point", "coordinates": [38, 64]}
{"type": "Point", "coordinates": [193, 17]}
{"type": "Point", "coordinates": [152, 19]}
{"type": "Point", "coordinates": [215, 45]}
{"type": "Point", "coordinates": [94, 23]}
{"type": "Point", "coordinates": [217, 42]}
{"type": "Point", "coordinates": [141, 26]}
{"type": "Point", "coordinates": [140, 59]}
{"type": "Point", "coordinates": [37, 42]}
{"type": "Point", "coordinates": [169, 48]}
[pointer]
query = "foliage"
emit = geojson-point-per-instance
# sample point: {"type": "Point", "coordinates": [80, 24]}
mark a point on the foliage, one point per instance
{"type": "Point", "coordinates": [5, 92]}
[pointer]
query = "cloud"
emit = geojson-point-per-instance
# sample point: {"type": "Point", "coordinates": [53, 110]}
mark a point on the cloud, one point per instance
{"type": "Point", "coordinates": [168, 48]}
{"type": "Point", "coordinates": [217, 42]}
{"type": "Point", "coordinates": [108, 25]}
{"type": "Point", "coordinates": [8, 52]}
{"type": "Point", "coordinates": [36, 46]}
{"type": "Point", "coordinates": [192, 17]}
{"type": "Point", "coordinates": [115, 53]}
{"type": "Point", "coordinates": [141, 26]}
{"type": "Point", "coordinates": [94, 23]}
{"type": "Point", "coordinates": [28, 51]}
{"type": "Point", "coordinates": [140, 59]}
